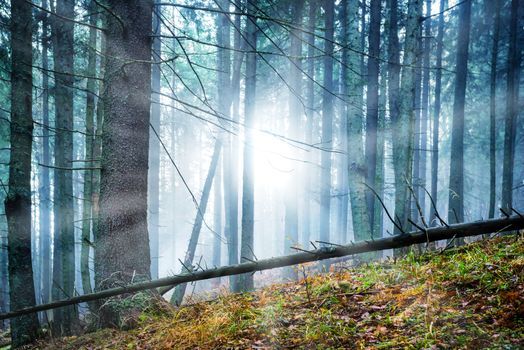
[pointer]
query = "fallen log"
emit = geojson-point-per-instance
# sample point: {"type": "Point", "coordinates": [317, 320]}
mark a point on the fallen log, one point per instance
{"type": "Point", "coordinates": [398, 241]}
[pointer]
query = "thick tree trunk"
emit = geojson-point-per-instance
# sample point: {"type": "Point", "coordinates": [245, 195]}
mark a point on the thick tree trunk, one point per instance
{"type": "Point", "coordinates": [456, 175]}
{"type": "Point", "coordinates": [416, 237]}
{"type": "Point", "coordinates": [88, 173]}
{"type": "Point", "coordinates": [436, 113]}
{"type": "Point", "coordinates": [512, 108]}
{"type": "Point", "coordinates": [154, 151]}
{"type": "Point", "coordinates": [18, 201]}
{"type": "Point", "coordinates": [125, 149]}
{"type": "Point", "coordinates": [295, 115]}
{"type": "Point", "coordinates": [327, 123]}
{"type": "Point", "coordinates": [64, 237]}
{"type": "Point", "coordinates": [178, 295]}
{"type": "Point", "coordinates": [493, 108]}
{"type": "Point", "coordinates": [248, 185]}
{"type": "Point", "coordinates": [372, 103]}
{"type": "Point", "coordinates": [403, 123]}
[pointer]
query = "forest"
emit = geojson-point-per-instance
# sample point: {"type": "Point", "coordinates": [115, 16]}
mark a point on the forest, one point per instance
{"type": "Point", "coordinates": [274, 163]}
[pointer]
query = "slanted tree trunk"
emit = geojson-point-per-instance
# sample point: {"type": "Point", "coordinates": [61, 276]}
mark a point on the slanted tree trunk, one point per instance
{"type": "Point", "coordinates": [512, 108]}
{"type": "Point", "coordinates": [64, 237]}
{"type": "Point", "coordinates": [295, 115]}
{"type": "Point", "coordinates": [327, 123]}
{"type": "Point", "coordinates": [18, 201]}
{"type": "Point", "coordinates": [353, 79]}
{"type": "Point", "coordinates": [45, 185]}
{"type": "Point", "coordinates": [436, 112]}
{"type": "Point", "coordinates": [125, 149]}
{"type": "Point", "coordinates": [372, 103]}
{"type": "Point", "coordinates": [403, 123]}
{"type": "Point", "coordinates": [88, 173]}
{"type": "Point", "coordinates": [456, 175]}
{"type": "Point", "coordinates": [248, 184]}
{"type": "Point", "coordinates": [180, 290]}
{"type": "Point", "coordinates": [493, 107]}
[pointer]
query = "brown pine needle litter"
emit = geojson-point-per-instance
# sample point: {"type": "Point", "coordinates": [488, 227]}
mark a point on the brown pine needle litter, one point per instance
{"type": "Point", "coordinates": [466, 298]}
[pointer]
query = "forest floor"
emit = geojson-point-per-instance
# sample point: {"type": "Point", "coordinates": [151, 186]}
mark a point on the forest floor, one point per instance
{"type": "Point", "coordinates": [465, 298]}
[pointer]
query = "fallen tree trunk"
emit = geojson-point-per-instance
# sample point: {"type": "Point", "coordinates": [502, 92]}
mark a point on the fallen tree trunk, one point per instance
{"type": "Point", "coordinates": [404, 240]}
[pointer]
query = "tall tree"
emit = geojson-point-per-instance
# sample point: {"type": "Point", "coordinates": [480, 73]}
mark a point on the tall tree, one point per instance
{"type": "Point", "coordinates": [327, 123]}
{"type": "Point", "coordinates": [456, 174]}
{"type": "Point", "coordinates": [248, 184]}
{"type": "Point", "coordinates": [154, 147]}
{"type": "Point", "coordinates": [423, 144]}
{"type": "Point", "coordinates": [352, 77]}
{"type": "Point", "coordinates": [89, 138]}
{"type": "Point", "coordinates": [496, 5]}
{"type": "Point", "coordinates": [294, 103]}
{"type": "Point", "coordinates": [403, 123]}
{"type": "Point", "coordinates": [64, 237]}
{"type": "Point", "coordinates": [372, 101]}
{"type": "Point", "coordinates": [310, 113]}
{"type": "Point", "coordinates": [436, 111]}
{"type": "Point", "coordinates": [44, 191]}
{"type": "Point", "coordinates": [512, 108]}
{"type": "Point", "coordinates": [122, 245]}
{"type": "Point", "coordinates": [18, 201]}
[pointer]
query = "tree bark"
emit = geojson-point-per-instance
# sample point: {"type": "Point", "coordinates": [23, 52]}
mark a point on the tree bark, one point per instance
{"type": "Point", "coordinates": [436, 113]}
{"type": "Point", "coordinates": [64, 237]}
{"type": "Point", "coordinates": [456, 175]}
{"type": "Point", "coordinates": [295, 115]}
{"type": "Point", "coordinates": [403, 123]}
{"type": "Point", "coordinates": [493, 109]}
{"type": "Point", "coordinates": [248, 185]}
{"type": "Point", "coordinates": [125, 149]}
{"type": "Point", "coordinates": [372, 103]}
{"type": "Point", "coordinates": [327, 123]}
{"type": "Point", "coordinates": [88, 173]}
{"type": "Point", "coordinates": [512, 108]}
{"type": "Point", "coordinates": [18, 201]}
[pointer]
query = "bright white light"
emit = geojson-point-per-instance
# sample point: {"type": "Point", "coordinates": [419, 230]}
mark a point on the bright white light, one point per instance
{"type": "Point", "coordinates": [274, 164]}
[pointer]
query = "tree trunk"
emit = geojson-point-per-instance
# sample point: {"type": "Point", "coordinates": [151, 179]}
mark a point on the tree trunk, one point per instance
{"type": "Point", "coordinates": [403, 123]}
{"type": "Point", "coordinates": [217, 220]}
{"type": "Point", "coordinates": [64, 238]}
{"type": "Point", "coordinates": [512, 108]}
{"type": "Point", "coordinates": [88, 173]}
{"type": "Point", "coordinates": [436, 113]}
{"type": "Point", "coordinates": [327, 123]}
{"type": "Point", "coordinates": [456, 175]}
{"type": "Point", "coordinates": [178, 295]}
{"type": "Point", "coordinates": [310, 114]}
{"type": "Point", "coordinates": [295, 115]}
{"type": "Point", "coordinates": [248, 185]}
{"type": "Point", "coordinates": [154, 149]}
{"type": "Point", "coordinates": [231, 149]}
{"type": "Point", "coordinates": [45, 186]}
{"type": "Point", "coordinates": [372, 103]}
{"type": "Point", "coordinates": [493, 109]}
{"type": "Point", "coordinates": [18, 201]}
{"type": "Point", "coordinates": [357, 173]}
{"type": "Point", "coordinates": [125, 149]}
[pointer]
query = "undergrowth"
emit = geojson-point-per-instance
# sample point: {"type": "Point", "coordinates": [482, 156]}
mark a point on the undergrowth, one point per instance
{"type": "Point", "coordinates": [465, 298]}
